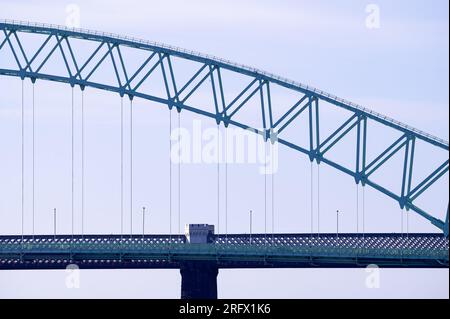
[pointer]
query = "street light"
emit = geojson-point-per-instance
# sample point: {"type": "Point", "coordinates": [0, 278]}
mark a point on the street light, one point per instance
{"type": "Point", "coordinates": [251, 226]}
{"type": "Point", "coordinates": [54, 222]}
{"type": "Point", "coordinates": [143, 221]}
{"type": "Point", "coordinates": [337, 223]}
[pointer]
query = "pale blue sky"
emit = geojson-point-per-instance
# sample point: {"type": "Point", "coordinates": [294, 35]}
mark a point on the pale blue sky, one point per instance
{"type": "Point", "coordinates": [400, 70]}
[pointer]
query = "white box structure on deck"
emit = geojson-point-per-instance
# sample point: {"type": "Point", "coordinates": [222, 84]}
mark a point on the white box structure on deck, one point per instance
{"type": "Point", "coordinates": [198, 233]}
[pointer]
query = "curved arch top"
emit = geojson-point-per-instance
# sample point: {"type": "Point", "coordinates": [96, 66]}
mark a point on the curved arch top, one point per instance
{"type": "Point", "coordinates": [213, 60]}
{"type": "Point", "coordinates": [177, 96]}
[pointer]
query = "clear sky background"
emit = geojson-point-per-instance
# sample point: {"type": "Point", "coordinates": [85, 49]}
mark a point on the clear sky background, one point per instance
{"type": "Point", "coordinates": [400, 69]}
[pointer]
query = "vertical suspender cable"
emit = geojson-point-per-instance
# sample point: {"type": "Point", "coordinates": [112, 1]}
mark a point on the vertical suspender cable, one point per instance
{"type": "Point", "coordinates": [307, 206]}
{"type": "Point", "coordinates": [33, 160]}
{"type": "Point", "coordinates": [407, 224]}
{"type": "Point", "coordinates": [226, 184]}
{"type": "Point", "coordinates": [402, 222]}
{"type": "Point", "coordinates": [82, 163]}
{"type": "Point", "coordinates": [363, 212]}
{"type": "Point", "coordinates": [265, 192]}
{"type": "Point", "coordinates": [121, 167]}
{"type": "Point", "coordinates": [318, 200]}
{"type": "Point", "coordinates": [179, 177]}
{"type": "Point", "coordinates": [273, 192]}
{"type": "Point", "coordinates": [357, 216]}
{"type": "Point", "coordinates": [170, 173]}
{"type": "Point", "coordinates": [131, 167]}
{"type": "Point", "coordinates": [23, 158]}
{"type": "Point", "coordinates": [311, 199]}
{"type": "Point", "coordinates": [218, 179]}
{"type": "Point", "coordinates": [357, 209]}
{"type": "Point", "coordinates": [401, 238]}
{"type": "Point", "coordinates": [72, 160]}
{"type": "Point", "coordinates": [402, 229]}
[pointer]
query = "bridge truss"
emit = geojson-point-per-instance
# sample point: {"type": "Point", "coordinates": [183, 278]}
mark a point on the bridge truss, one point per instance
{"type": "Point", "coordinates": [108, 52]}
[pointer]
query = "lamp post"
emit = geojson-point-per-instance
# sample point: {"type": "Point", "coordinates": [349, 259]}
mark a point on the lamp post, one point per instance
{"type": "Point", "coordinates": [337, 223]}
{"type": "Point", "coordinates": [251, 221]}
{"type": "Point", "coordinates": [54, 222]}
{"type": "Point", "coordinates": [143, 221]}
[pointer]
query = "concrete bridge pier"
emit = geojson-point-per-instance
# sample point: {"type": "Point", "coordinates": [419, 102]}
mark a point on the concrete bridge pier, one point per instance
{"type": "Point", "coordinates": [199, 278]}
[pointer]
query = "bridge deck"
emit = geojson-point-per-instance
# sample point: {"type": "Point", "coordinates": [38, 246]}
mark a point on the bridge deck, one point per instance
{"type": "Point", "coordinates": [228, 251]}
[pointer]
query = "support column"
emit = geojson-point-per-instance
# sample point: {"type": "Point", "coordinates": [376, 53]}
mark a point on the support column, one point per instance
{"type": "Point", "coordinates": [199, 280]}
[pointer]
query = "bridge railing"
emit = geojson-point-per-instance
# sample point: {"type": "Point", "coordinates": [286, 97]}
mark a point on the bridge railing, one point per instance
{"type": "Point", "coordinates": [281, 246]}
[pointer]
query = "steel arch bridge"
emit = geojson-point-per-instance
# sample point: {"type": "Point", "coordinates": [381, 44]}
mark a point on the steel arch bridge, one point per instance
{"type": "Point", "coordinates": [58, 40]}
{"type": "Point", "coordinates": [202, 261]}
